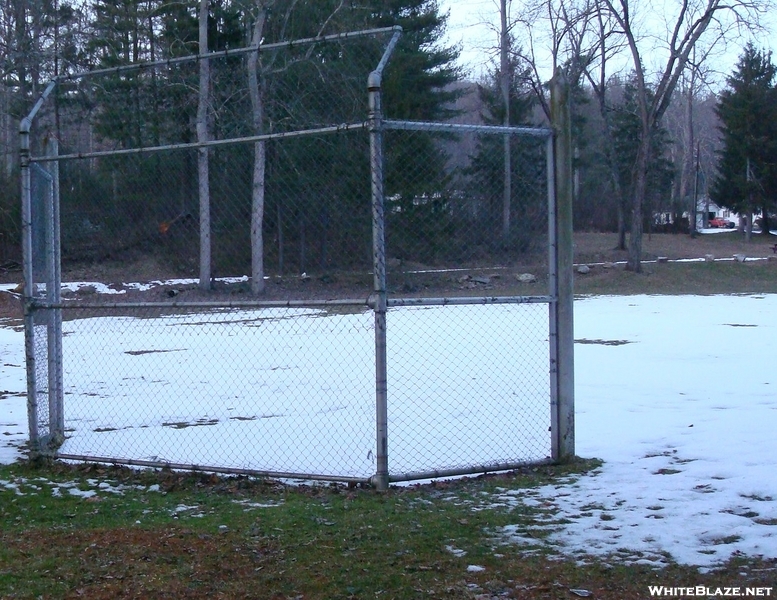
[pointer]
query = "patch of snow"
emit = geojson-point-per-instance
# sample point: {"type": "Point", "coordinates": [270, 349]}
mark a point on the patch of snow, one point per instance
{"type": "Point", "coordinates": [82, 493]}
{"type": "Point", "coordinates": [251, 505]}
{"type": "Point", "coordinates": [685, 422]}
{"type": "Point", "coordinates": [455, 551]}
{"type": "Point", "coordinates": [95, 287]}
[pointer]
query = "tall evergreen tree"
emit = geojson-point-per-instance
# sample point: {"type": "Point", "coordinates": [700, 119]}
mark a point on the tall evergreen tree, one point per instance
{"type": "Point", "coordinates": [747, 174]}
{"type": "Point", "coordinates": [488, 164]}
{"type": "Point", "coordinates": [417, 85]}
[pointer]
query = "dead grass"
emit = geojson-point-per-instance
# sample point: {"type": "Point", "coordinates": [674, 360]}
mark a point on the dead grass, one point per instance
{"type": "Point", "coordinates": [601, 247]}
{"type": "Point", "coordinates": [243, 538]}
{"type": "Point", "coordinates": [597, 250]}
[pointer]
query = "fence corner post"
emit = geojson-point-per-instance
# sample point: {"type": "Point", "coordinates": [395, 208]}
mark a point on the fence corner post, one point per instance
{"type": "Point", "coordinates": [54, 297]}
{"type": "Point", "coordinates": [381, 478]}
{"type": "Point", "coordinates": [29, 290]}
{"type": "Point", "coordinates": [563, 352]}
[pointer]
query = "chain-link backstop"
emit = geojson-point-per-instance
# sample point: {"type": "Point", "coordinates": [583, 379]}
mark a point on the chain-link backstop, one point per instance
{"type": "Point", "coordinates": [370, 298]}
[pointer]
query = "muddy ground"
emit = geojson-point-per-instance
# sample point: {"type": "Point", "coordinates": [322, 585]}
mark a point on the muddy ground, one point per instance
{"type": "Point", "coordinates": [597, 250]}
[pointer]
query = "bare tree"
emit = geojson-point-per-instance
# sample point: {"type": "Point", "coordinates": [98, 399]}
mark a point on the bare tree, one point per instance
{"type": "Point", "coordinates": [689, 23]}
{"type": "Point", "coordinates": [580, 35]}
{"type": "Point", "coordinates": [594, 32]}
{"type": "Point", "coordinates": [693, 126]}
{"type": "Point", "coordinates": [260, 152]}
{"type": "Point", "coordinates": [504, 75]}
{"type": "Point", "coordinates": [559, 31]}
{"type": "Point", "coordinates": [595, 66]}
{"type": "Point", "coordinates": [257, 74]}
{"type": "Point", "coordinates": [203, 135]}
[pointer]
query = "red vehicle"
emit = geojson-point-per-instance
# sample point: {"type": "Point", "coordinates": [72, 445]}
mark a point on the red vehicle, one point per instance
{"type": "Point", "coordinates": [721, 223]}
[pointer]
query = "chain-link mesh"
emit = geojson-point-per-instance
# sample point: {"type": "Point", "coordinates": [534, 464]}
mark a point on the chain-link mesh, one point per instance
{"type": "Point", "coordinates": [213, 378]}
{"type": "Point", "coordinates": [41, 199]}
{"type": "Point", "coordinates": [316, 207]}
{"type": "Point", "coordinates": [281, 390]}
{"type": "Point", "coordinates": [42, 396]}
{"type": "Point", "coordinates": [468, 386]}
{"type": "Point", "coordinates": [446, 204]}
{"type": "Point", "coordinates": [119, 204]}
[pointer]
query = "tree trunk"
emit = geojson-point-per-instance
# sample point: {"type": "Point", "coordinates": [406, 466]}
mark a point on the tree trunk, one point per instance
{"type": "Point", "coordinates": [749, 211]}
{"type": "Point", "coordinates": [504, 65]}
{"type": "Point", "coordinates": [640, 184]}
{"type": "Point", "coordinates": [203, 174]}
{"type": "Point", "coordinates": [621, 226]}
{"type": "Point", "coordinates": [23, 50]}
{"type": "Point", "coordinates": [279, 212]}
{"type": "Point", "coordinates": [255, 91]}
{"type": "Point", "coordinates": [686, 188]}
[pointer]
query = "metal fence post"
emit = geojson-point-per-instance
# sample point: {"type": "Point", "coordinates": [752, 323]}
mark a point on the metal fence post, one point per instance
{"type": "Point", "coordinates": [53, 296]}
{"type": "Point", "coordinates": [27, 268]}
{"type": "Point", "coordinates": [562, 309]}
{"type": "Point", "coordinates": [29, 290]}
{"type": "Point", "coordinates": [380, 479]}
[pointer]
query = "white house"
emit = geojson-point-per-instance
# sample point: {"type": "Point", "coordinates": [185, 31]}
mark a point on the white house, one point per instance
{"type": "Point", "coordinates": [705, 205]}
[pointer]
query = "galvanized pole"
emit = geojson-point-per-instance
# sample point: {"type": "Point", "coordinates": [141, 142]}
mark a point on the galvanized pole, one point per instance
{"type": "Point", "coordinates": [552, 292]}
{"type": "Point", "coordinates": [562, 309]}
{"type": "Point", "coordinates": [380, 479]}
{"type": "Point", "coordinates": [29, 289]}
{"type": "Point", "coordinates": [53, 296]}
{"type": "Point", "coordinates": [27, 269]}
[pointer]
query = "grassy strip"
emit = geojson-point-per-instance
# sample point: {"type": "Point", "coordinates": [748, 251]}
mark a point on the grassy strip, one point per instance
{"type": "Point", "coordinates": [720, 277]}
{"type": "Point", "coordinates": [102, 532]}
{"type": "Point", "coordinates": [670, 278]}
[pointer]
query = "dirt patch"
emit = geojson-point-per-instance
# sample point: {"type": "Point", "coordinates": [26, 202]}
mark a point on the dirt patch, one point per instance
{"type": "Point", "coordinates": [598, 251]}
{"type": "Point", "coordinates": [149, 563]}
{"type": "Point", "coordinates": [10, 306]}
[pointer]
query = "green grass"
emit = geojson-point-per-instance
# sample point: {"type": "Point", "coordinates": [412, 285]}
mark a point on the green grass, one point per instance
{"type": "Point", "coordinates": [682, 278]}
{"type": "Point", "coordinates": [180, 535]}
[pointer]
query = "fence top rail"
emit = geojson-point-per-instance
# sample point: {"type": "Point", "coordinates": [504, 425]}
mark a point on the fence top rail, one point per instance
{"type": "Point", "coordinates": [388, 51]}
{"type": "Point", "coordinates": [360, 302]}
{"type": "Point", "coordinates": [42, 305]}
{"type": "Point", "coordinates": [26, 123]}
{"type": "Point", "coordinates": [468, 300]}
{"type": "Point", "coordinates": [213, 143]}
{"type": "Point", "coordinates": [229, 53]}
{"type": "Point", "coordinates": [542, 132]}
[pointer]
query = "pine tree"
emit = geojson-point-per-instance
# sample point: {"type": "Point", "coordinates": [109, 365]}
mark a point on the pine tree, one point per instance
{"type": "Point", "coordinates": [747, 173]}
{"type": "Point", "coordinates": [417, 85]}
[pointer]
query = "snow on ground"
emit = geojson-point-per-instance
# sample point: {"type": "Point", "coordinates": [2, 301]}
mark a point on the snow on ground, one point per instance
{"type": "Point", "coordinates": [676, 394]}
{"type": "Point", "coordinates": [13, 399]}
{"type": "Point", "coordinates": [679, 396]}
{"type": "Point", "coordinates": [292, 390]}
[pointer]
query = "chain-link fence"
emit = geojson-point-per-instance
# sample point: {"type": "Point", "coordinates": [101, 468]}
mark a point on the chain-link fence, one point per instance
{"type": "Point", "coordinates": [372, 299]}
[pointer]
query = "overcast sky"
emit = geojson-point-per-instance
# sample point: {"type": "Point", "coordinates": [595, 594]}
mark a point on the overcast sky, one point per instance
{"type": "Point", "coordinates": [473, 24]}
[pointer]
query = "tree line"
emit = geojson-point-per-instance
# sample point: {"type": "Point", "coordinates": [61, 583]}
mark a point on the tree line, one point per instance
{"type": "Point", "coordinates": [645, 145]}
